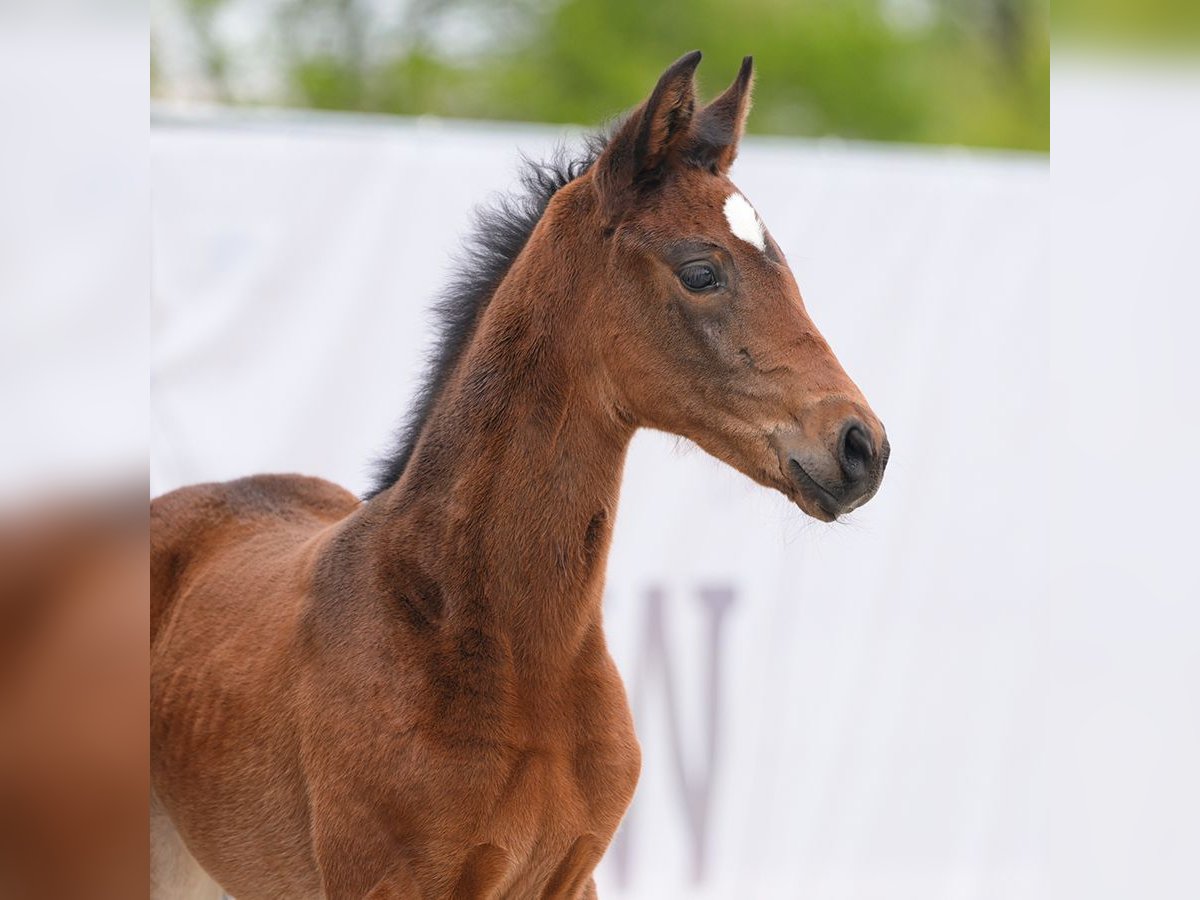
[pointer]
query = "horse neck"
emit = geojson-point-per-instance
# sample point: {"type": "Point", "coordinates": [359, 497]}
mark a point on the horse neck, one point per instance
{"type": "Point", "coordinates": [509, 498]}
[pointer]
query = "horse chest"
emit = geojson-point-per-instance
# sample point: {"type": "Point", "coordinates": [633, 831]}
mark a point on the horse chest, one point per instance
{"type": "Point", "coordinates": [554, 802]}
{"type": "Point", "coordinates": [556, 782]}
{"type": "Point", "coordinates": [461, 751]}
{"type": "Point", "coordinates": [555, 818]}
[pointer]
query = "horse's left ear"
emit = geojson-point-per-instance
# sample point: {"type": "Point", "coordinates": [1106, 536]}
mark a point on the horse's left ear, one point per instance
{"type": "Point", "coordinates": [643, 146]}
{"type": "Point", "coordinates": [717, 129]}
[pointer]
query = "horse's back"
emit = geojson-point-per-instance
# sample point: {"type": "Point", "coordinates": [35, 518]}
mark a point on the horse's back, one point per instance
{"type": "Point", "coordinates": [196, 522]}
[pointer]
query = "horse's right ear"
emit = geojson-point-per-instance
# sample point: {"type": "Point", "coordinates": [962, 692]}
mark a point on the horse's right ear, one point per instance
{"type": "Point", "coordinates": [646, 142]}
{"type": "Point", "coordinates": [719, 125]}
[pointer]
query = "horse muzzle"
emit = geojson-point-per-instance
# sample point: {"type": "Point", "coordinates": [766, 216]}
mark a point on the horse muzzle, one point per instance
{"type": "Point", "coordinates": [831, 479]}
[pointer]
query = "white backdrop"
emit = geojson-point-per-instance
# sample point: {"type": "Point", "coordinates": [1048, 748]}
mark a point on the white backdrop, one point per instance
{"type": "Point", "coordinates": [847, 711]}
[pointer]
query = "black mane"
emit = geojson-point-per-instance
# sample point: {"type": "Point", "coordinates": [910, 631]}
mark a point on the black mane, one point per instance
{"type": "Point", "coordinates": [501, 230]}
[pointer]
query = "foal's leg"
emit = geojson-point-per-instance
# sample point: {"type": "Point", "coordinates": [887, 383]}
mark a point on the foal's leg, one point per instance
{"type": "Point", "coordinates": [480, 878]}
{"type": "Point", "coordinates": [399, 885]}
{"type": "Point", "coordinates": [572, 880]}
{"type": "Point", "coordinates": [174, 872]}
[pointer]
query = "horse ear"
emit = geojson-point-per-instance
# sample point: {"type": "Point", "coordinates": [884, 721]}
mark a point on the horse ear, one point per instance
{"type": "Point", "coordinates": [719, 126]}
{"type": "Point", "coordinates": [645, 142]}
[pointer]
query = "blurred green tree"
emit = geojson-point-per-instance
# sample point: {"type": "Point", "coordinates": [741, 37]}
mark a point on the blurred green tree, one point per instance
{"type": "Point", "coordinates": [213, 57]}
{"type": "Point", "coordinates": [972, 72]}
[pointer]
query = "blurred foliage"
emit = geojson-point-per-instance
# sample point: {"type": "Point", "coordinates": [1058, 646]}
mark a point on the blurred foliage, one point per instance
{"type": "Point", "coordinates": [972, 72]}
{"type": "Point", "coordinates": [1131, 24]}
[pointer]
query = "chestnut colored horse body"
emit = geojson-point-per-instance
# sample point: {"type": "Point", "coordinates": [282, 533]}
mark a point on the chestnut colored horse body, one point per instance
{"type": "Point", "coordinates": [411, 696]}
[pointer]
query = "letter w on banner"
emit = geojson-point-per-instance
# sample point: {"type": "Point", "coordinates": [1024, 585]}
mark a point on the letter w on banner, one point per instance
{"type": "Point", "coordinates": [695, 771]}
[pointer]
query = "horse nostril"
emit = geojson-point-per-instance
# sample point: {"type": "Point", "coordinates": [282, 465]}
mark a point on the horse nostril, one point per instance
{"type": "Point", "coordinates": [857, 453]}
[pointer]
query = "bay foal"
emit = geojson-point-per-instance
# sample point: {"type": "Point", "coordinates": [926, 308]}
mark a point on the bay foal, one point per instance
{"type": "Point", "coordinates": [411, 696]}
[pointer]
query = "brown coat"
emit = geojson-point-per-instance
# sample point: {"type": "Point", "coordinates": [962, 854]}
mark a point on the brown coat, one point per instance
{"type": "Point", "coordinates": [412, 697]}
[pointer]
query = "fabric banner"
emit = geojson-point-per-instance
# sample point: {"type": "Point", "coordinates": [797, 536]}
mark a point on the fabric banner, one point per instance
{"type": "Point", "coordinates": [825, 711]}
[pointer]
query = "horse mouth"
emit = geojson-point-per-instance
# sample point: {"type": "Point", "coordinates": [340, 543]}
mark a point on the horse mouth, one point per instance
{"type": "Point", "coordinates": [818, 496]}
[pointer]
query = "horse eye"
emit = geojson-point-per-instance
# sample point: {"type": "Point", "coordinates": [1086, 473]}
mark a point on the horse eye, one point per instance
{"type": "Point", "coordinates": [698, 277]}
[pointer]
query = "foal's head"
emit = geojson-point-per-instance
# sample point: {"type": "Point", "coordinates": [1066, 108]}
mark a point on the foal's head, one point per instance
{"type": "Point", "coordinates": [704, 332]}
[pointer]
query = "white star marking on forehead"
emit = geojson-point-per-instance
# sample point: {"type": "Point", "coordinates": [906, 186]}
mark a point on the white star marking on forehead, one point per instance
{"type": "Point", "coordinates": [744, 221]}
